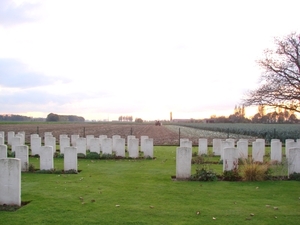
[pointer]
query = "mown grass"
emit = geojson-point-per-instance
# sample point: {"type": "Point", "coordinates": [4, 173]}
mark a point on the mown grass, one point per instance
{"type": "Point", "coordinates": [142, 192]}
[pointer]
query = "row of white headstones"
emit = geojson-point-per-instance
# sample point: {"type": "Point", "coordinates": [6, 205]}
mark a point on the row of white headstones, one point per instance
{"type": "Point", "coordinates": [11, 168]}
{"type": "Point", "coordinates": [230, 152]}
{"type": "Point", "coordinates": [10, 176]}
{"type": "Point", "coordinates": [73, 145]}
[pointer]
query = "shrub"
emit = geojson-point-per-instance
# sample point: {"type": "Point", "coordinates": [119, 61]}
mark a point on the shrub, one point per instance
{"type": "Point", "coordinates": [92, 155]}
{"type": "Point", "coordinates": [31, 168]}
{"type": "Point", "coordinates": [70, 172]}
{"type": "Point", "coordinates": [80, 155]}
{"type": "Point", "coordinates": [254, 171]}
{"type": "Point", "coordinates": [198, 159]}
{"type": "Point", "coordinates": [204, 174]}
{"type": "Point", "coordinates": [295, 176]}
{"type": "Point", "coordinates": [231, 175]}
{"type": "Point", "coordinates": [107, 156]}
{"type": "Point", "coordinates": [10, 154]}
{"type": "Point", "coordinates": [58, 155]}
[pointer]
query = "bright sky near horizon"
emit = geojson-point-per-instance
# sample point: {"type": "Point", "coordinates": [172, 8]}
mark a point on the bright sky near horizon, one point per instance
{"type": "Point", "coordinates": [142, 58]}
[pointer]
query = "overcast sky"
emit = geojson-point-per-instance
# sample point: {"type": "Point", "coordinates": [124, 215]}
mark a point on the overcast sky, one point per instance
{"type": "Point", "coordinates": [103, 59]}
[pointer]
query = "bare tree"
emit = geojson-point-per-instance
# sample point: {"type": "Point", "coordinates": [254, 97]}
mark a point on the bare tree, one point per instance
{"type": "Point", "coordinates": [281, 76]}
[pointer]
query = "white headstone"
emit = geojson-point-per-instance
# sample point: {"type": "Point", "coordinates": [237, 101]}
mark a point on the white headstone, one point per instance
{"type": "Point", "coordinates": [242, 148]}
{"type": "Point", "coordinates": [230, 160]}
{"type": "Point", "coordinates": [21, 152]}
{"type": "Point", "coordinates": [120, 147]}
{"type": "Point", "coordinates": [21, 134]}
{"type": "Point", "coordinates": [88, 140]}
{"type": "Point", "coordinates": [1, 140]}
{"type": "Point", "coordinates": [10, 135]}
{"type": "Point", "coordinates": [264, 145]}
{"type": "Point", "coordinates": [133, 147]}
{"type": "Point", "coordinates": [294, 161]}
{"type": "Point", "coordinates": [114, 138]}
{"type": "Point", "coordinates": [3, 152]}
{"type": "Point", "coordinates": [276, 150]}
{"type": "Point", "coordinates": [258, 151]}
{"type": "Point", "coordinates": [228, 143]}
{"type": "Point", "coordinates": [36, 143]}
{"type": "Point", "coordinates": [46, 158]}
{"type": "Point", "coordinates": [2, 137]}
{"type": "Point", "coordinates": [74, 137]}
{"type": "Point", "coordinates": [51, 141]}
{"type": "Point", "coordinates": [33, 136]}
{"type": "Point", "coordinates": [81, 145]}
{"type": "Point", "coordinates": [70, 158]}
{"type": "Point", "coordinates": [95, 145]}
{"type": "Point", "coordinates": [143, 142]}
{"type": "Point", "coordinates": [202, 146]}
{"type": "Point", "coordinates": [101, 137]}
{"type": "Point", "coordinates": [10, 181]}
{"type": "Point", "coordinates": [15, 141]}
{"type": "Point", "coordinates": [217, 146]}
{"type": "Point", "coordinates": [106, 146]}
{"type": "Point", "coordinates": [183, 162]}
{"type": "Point", "coordinates": [64, 142]}
{"type": "Point", "coordinates": [183, 141]}
{"type": "Point", "coordinates": [148, 147]}
{"type": "Point", "coordinates": [290, 143]}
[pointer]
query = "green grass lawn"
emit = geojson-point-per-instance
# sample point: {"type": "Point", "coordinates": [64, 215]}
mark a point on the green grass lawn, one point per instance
{"type": "Point", "coordinates": [142, 192]}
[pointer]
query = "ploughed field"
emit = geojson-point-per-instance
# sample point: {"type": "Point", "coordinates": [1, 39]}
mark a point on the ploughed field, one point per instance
{"type": "Point", "coordinates": [162, 135]}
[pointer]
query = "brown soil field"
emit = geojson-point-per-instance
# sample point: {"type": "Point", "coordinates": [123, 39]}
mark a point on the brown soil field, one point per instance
{"type": "Point", "coordinates": [161, 134]}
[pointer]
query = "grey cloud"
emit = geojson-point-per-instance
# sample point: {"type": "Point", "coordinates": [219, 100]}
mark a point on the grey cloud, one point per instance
{"type": "Point", "coordinates": [11, 14]}
{"type": "Point", "coordinates": [15, 74]}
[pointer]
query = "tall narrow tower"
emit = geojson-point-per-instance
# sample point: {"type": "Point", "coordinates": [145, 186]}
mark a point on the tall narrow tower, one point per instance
{"type": "Point", "coordinates": [171, 116]}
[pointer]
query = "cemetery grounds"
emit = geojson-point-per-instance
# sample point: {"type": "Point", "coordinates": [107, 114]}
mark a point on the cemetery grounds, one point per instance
{"type": "Point", "coordinates": [142, 191]}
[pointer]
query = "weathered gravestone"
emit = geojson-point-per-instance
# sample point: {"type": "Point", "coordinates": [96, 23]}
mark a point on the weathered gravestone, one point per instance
{"type": "Point", "coordinates": [276, 150]}
{"type": "Point", "coordinates": [148, 147]}
{"type": "Point", "coordinates": [133, 147]}
{"type": "Point", "coordinates": [242, 148]}
{"type": "Point", "coordinates": [217, 146]}
{"type": "Point", "coordinates": [101, 137]}
{"type": "Point", "coordinates": [50, 141]}
{"type": "Point", "coordinates": [21, 152]}
{"type": "Point", "coordinates": [3, 152]}
{"type": "Point", "coordinates": [290, 143]}
{"type": "Point", "coordinates": [88, 140]}
{"type": "Point", "coordinates": [35, 145]}
{"type": "Point", "coordinates": [258, 151]}
{"type": "Point", "coordinates": [263, 141]}
{"type": "Point", "coordinates": [70, 159]}
{"type": "Point", "coordinates": [74, 137]}
{"type": "Point", "coordinates": [230, 160]}
{"type": "Point", "coordinates": [120, 147]}
{"type": "Point", "coordinates": [1, 140]}
{"type": "Point", "coordinates": [63, 143]}
{"type": "Point", "coordinates": [95, 145]}
{"type": "Point", "coordinates": [114, 138]}
{"type": "Point", "coordinates": [10, 181]}
{"type": "Point", "coordinates": [183, 162]}
{"type": "Point", "coordinates": [294, 161]}
{"type": "Point", "coordinates": [202, 146]}
{"type": "Point", "coordinates": [143, 138]}
{"type": "Point", "coordinates": [228, 143]}
{"type": "Point", "coordinates": [106, 146]}
{"type": "Point", "coordinates": [46, 158]}
{"type": "Point", "coordinates": [15, 141]}
{"type": "Point", "coordinates": [81, 145]}
{"type": "Point", "coordinates": [10, 135]}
